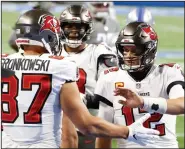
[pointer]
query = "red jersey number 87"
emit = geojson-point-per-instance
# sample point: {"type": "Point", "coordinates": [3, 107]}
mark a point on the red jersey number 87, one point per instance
{"type": "Point", "coordinates": [10, 93]}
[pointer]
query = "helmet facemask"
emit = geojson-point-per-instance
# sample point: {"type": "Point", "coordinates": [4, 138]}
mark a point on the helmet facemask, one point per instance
{"type": "Point", "coordinates": [76, 25]}
{"type": "Point", "coordinates": [75, 34]}
{"type": "Point", "coordinates": [51, 41]}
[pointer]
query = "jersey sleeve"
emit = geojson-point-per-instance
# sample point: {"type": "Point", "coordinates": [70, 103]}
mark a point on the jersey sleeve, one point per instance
{"type": "Point", "coordinates": [71, 72]}
{"type": "Point", "coordinates": [102, 94]}
{"type": "Point", "coordinates": [68, 72]}
{"type": "Point", "coordinates": [174, 82]}
{"type": "Point", "coordinates": [176, 91]}
{"type": "Point", "coordinates": [102, 90]}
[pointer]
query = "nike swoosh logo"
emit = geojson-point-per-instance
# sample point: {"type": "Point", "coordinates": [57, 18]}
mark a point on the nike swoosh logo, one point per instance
{"type": "Point", "coordinates": [134, 136]}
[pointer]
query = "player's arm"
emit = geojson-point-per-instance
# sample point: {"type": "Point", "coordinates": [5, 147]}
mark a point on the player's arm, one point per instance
{"type": "Point", "coordinates": [173, 105]}
{"type": "Point", "coordinates": [74, 108]}
{"type": "Point", "coordinates": [69, 134]}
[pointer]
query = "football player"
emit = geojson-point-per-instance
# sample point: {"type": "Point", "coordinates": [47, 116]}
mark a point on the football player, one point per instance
{"type": "Point", "coordinates": [140, 14]}
{"type": "Point", "coordinates": [44, 84]}
{"type": "Point", "coordinates": [106, 27]}
{"type": "Point", "coordinates": [136, 48]}
{"type": "Point", "coordinates": [77, 26]}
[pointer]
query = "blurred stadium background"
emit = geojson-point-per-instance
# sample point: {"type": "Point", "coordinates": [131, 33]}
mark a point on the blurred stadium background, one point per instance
{"type": "Point", "coordinates": [169, 24]}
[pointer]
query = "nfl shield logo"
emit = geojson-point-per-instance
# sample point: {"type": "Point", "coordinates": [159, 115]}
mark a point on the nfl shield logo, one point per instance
{"type": "Point", "coordinates": [138, 85]}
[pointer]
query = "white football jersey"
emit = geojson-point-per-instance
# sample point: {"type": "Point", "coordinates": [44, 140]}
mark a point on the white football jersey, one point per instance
{"type": "Point", "coordinates": [156, 84]}
{"type": "Point", "coordinates": [89, 66]}
{"type": "Point", "coordinates": [31, 110]}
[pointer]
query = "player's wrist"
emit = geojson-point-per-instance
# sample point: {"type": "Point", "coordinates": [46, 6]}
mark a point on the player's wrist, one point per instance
{"type": "Point", "coordinates": [126, 132]}
{"type": "Point", "coordinates": [141, 103]}
{"type": "Point", "coordinates": [158, 105]}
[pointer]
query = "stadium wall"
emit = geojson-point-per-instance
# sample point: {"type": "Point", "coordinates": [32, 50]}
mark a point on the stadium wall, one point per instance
{"type": "Point", "coordinates": [151, 4]}
{"type": "Point", "coordinates": [122, 9]}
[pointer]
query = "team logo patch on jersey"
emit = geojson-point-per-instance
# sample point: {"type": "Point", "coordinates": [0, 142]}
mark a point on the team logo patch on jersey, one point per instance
{"type": "Point", "coordinates": [119, 84]}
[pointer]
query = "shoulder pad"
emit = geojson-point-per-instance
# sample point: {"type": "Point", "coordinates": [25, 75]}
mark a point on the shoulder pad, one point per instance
{"type": "Point", "coordinates": [56, 57]}
{"type": "Point", "coordinates": [109, 60]}
{"type": "Point", "coordinates": [113, 69]}
{"type": "Point", "coordinates": [167, 64]}
{"type": "Point", "coordinates": [172, 65]}
{"type": "Point", "coordinates": [4, 55]}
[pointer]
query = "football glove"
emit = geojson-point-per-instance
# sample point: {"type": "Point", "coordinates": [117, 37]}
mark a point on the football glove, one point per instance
{"type": "Point", "coordinates": [141, 135]}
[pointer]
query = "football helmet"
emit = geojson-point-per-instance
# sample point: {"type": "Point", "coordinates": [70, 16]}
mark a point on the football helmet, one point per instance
{"type": "Point", "coordinates": [76, 25]}
{"type": "Point", "coordinates": [136, 46]}
{"type": "Point", "coordinates": [38, 27]}
{"type": "Point", "coordinates": [100, 10]}
{"type": "Point", "coordinates": [140, 14]}
{"type": "Point", "coordinates": [45, 5]}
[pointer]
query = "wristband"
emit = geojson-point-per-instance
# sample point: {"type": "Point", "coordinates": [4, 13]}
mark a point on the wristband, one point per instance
{"type": "Point", "coordinates": [158, 105]}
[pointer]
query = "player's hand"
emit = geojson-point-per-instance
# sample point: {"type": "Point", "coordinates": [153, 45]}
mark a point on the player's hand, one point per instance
{"type": "Point", "coordinates": [132, 99]}
{"type": "Point", "coordinates": [141, 135]}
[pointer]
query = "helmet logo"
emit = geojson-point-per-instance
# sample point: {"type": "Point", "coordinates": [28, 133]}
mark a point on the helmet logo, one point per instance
{"type": "Point", "coordinates": [149, 31]}
{"type": "Point", "coordinates": [48, 22]}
